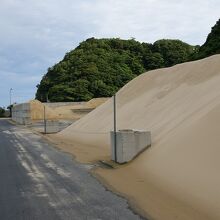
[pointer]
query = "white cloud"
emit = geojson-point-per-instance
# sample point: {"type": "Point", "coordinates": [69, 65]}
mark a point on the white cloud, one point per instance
{"type": "Point", "coordinates": [149, 20]}
{"type": "Point", "coordinates": [35, 34]}
{"type": "Point", "coordinates": [23, 79]}
{"type": "Point", "coordinates": [23, 86]}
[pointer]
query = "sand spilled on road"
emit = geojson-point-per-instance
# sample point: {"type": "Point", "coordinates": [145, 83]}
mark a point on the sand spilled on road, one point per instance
{"type": "Point", "coordinates": [179, 176]}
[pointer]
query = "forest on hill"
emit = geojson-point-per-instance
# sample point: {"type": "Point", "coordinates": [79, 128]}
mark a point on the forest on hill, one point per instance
{"type": "Point", "coordinates": [100, 67]}
{"type": "Point", "coordinates": [212, 44]}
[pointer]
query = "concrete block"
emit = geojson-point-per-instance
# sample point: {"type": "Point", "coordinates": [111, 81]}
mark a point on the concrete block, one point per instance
{"type": "Point", "coordinates": [21, 113]}
{"type": "Point", "coordinates": [129, 143]}
{"type": "Point", "coordinates": [55, 126]}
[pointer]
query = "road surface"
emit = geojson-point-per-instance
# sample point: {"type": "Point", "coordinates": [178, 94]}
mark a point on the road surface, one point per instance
{"type": "Point", "coordinates": [39, 182]}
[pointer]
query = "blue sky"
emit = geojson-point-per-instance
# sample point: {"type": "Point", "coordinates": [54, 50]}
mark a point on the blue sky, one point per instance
{"type": "Point", "coordinates": [35, 34]}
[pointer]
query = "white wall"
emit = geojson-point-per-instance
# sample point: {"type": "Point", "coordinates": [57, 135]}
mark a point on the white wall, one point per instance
{"type": "Point", "coordinates": [21, 113]}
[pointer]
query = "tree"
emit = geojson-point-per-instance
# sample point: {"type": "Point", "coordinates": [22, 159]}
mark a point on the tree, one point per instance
{"type": "Point", "coordinates": [100, 67]}
{"type": "Point", "coordinates": [2, 112]}
{"type": "Point", "coordinates": [61, 93]}
{"type": "Point", "coordinates": [173, 51]}
{"type": "Point", "coordinates": [212, 44]}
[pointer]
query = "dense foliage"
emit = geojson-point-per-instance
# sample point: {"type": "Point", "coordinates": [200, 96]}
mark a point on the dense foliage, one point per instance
{"type": "Point", "coordinates": [2, 112]}
{"type": "Point", "coordinates": [99, 67]}
{"type": "Point", "coordinates": [212, 44]}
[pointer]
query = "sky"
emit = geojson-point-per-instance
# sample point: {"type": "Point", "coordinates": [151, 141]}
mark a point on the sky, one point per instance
{"type": "Point", "coordinates": [36, 34]}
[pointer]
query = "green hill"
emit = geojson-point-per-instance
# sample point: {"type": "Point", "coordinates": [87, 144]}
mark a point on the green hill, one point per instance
{"type": "Point", "coordinates": [100, 67]}
{"type": "Point", "coordinates": [212, 44]}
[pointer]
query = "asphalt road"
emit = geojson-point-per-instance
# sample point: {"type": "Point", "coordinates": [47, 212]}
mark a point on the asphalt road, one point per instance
{"type": "Point", "coordinates": [39, 182]}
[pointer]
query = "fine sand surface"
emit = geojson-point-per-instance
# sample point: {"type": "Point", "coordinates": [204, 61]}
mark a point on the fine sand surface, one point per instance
{"type": "Point", "coordinates": [179, 176]}
{"type": "Point", "coordinates": [63, 111]}
{"type": "Point", "coordinates": [67, 112]}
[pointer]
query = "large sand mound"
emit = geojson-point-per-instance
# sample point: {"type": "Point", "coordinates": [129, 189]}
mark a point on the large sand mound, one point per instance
{"type": "Point", "coordinates": [181, 107]}
{"type": "Point", "coordinates": [80, 110]}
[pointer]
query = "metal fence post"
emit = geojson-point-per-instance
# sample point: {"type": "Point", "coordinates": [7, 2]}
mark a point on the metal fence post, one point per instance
{"type": "Point", "coordinates": [115, 128]}
{"type": "Point", "coordinates": [45, 122]}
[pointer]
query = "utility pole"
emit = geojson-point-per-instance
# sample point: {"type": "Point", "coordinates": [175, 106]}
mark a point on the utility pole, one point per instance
{"type": "Point", "coordinates": [10, 93]}
{"type": "Point", "coordinates": [10, 107]}
{"type": "Point", "coordinates": [115, 129]}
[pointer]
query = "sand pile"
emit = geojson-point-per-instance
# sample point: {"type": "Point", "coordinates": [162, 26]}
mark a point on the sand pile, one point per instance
{"type": "Point", "coordinates": [37, 111]}
{"type": "Point", "coordinates": [94, 103]}
{"type": "Point", "coordinates": [79, 110]}
{"type": "Point", "coordinates": [178, 177]}
{"type": "Point", "coordinates": [65, 111]}
{"type": "Point", "coordinates": [61, 112]}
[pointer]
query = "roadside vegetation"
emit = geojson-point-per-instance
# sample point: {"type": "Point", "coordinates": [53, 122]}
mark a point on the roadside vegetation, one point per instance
{"type": "Point", "coordinates": [2, 112]}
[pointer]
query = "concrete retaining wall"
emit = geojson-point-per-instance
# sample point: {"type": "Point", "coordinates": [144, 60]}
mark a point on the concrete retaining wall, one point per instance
{"type": "Point", "coordinates": [129, 143]}
{"type": "Point", "coordinates": [26, 113]}
{"type": "Point", "coordinates": [29, 112]}
{"type": "Point", "coordinates": [52, 126]}
{"type": "Point", "coordinates": [21, 113]}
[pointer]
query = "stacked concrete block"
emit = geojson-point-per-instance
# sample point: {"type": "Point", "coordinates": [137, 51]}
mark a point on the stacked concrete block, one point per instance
{"type": "Point", "coordinates": [129, 143]}
{"type": "Point", "coordinates": [21, 113]}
